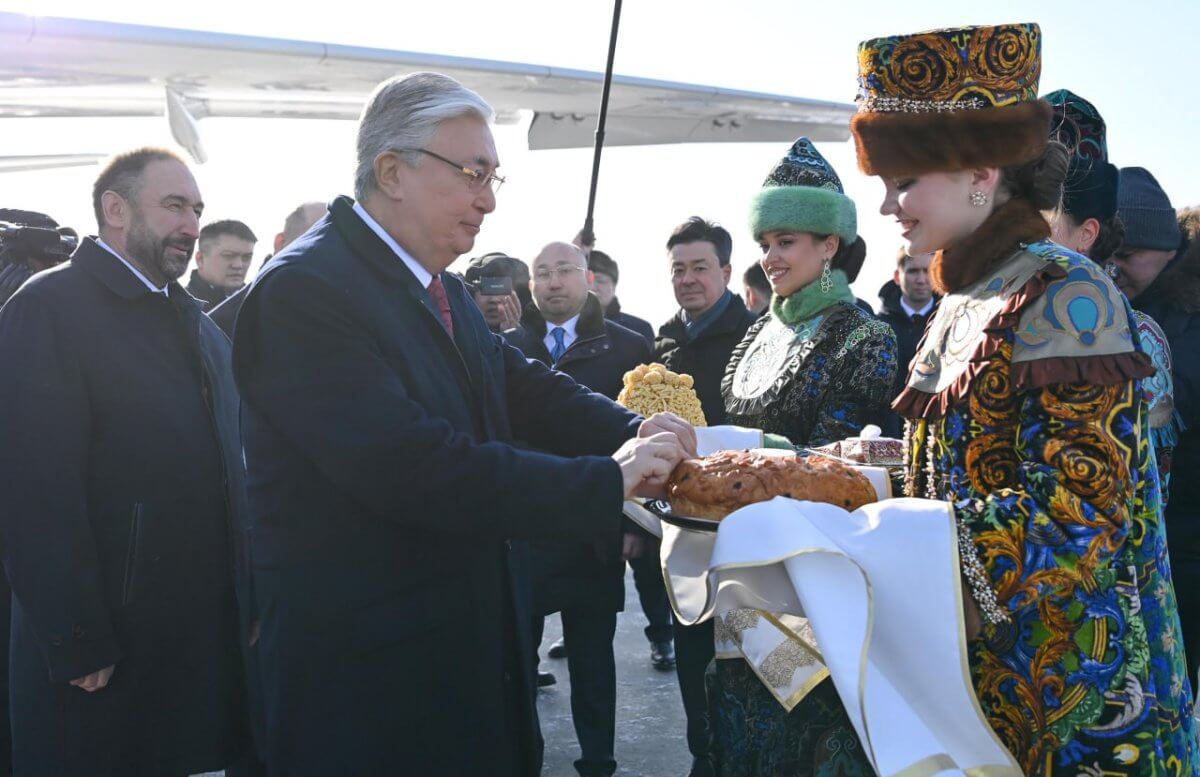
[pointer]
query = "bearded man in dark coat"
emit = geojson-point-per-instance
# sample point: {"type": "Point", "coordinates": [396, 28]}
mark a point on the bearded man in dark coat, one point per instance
{"type": "Point", "coordinates": [123, 498]}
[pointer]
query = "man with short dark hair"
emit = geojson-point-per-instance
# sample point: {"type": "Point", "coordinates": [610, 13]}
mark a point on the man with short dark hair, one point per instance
{"type": "Point", "coordinates": [906, 302]}
{"type": "Point", "coordinates": [711, 320]}
{"type": "Point", "coordinates": [757, 289]}
{"type": "Point", "coordinates": [124, 505]}
{"type": "Point", "coordinates": [223, 257]}
{"type": "Point", "coordinates": [296, 224]}
{"type": "Point", "coordinates": [565, 328]}
{"type": "Point", "coordinates": [605, 275]}
{"type": "Point", "coordinates": [698, 341]}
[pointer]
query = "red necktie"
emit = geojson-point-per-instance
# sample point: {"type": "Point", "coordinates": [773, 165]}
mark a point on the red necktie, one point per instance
{"type": "Point", "coordinates": [438, 292]}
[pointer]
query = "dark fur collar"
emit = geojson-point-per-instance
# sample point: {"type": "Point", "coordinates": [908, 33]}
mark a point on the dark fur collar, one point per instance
{"type": "Point", "coordinates": [1013, 223]}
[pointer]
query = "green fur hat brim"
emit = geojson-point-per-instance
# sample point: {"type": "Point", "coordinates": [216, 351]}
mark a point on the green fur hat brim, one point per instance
{"type": "Point", "coordinates": [803, 209]}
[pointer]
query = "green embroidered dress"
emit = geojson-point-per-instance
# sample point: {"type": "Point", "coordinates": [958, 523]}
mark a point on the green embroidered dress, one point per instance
{"type": "Point", "coordinates": [813, 372]}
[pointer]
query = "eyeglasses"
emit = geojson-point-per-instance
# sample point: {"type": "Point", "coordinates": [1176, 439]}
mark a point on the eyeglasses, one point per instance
{"type": "Point", "coordinates": [562, 273]}
{"type": "Point", "coordinates": [477, 179]}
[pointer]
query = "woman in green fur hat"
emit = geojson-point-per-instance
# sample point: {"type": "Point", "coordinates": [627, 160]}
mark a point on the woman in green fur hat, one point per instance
{"type": "Point", "coordinates": [815, 369]}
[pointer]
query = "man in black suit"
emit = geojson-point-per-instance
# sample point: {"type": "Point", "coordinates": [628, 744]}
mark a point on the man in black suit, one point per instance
{"type": "Point", "coordinates": [388, 499]}
{"type": "Point", "coordinates": [565, 329]}
{"type": "Point", "coordinates": [124, 502]}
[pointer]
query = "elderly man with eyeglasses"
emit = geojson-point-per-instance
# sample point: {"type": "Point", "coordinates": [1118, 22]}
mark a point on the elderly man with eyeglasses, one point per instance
{"type": "Point", "coordinates": [390, 504]}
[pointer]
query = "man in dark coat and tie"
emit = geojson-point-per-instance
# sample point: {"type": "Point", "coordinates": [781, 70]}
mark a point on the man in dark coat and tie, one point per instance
{"type": "Point", "coordinates": [389, 503]}
{"type": "Point", "coordinates": [565, 328]}
{"type": "Point", "coordinates": [123, 504]}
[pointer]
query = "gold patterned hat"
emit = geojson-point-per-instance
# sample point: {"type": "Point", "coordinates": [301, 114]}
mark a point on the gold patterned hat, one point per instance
{"type": "Point", "coordinates": [949, 100]}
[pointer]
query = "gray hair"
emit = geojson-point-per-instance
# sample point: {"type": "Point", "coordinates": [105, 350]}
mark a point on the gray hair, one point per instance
{"type": "Point", "coordinates": [404, 112]}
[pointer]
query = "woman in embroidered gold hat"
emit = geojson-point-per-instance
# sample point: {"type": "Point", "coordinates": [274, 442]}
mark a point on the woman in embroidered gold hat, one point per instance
{"type": "Point", "coordinates": [1026, 412]}
{"type": "Point", "coordinates": [815, 369]}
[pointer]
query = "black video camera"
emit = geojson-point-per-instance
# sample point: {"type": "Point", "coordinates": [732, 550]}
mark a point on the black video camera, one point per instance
{"type": "Point", "coordinates": [29, 243]}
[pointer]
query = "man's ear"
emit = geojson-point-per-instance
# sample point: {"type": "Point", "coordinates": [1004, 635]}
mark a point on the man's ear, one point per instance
{"type": "Point", "coordinates": [390, 169]}
{"type": "Point", "coordinates": [896, 275]}
{"type": "Point", "coordinates": [727, 271]}
{"type": "Point", "coordinates": [115, 209]}
{"type": "Point", "coordinates": [278, 242]}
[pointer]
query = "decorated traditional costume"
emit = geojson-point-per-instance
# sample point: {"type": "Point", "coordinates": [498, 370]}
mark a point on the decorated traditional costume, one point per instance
{"type": "Point", "coordinates": [1026, 411]}
{"type": "Point", "coordinates": [1090, 192]}
{"type": "Point", "coordinates": [815, 369]}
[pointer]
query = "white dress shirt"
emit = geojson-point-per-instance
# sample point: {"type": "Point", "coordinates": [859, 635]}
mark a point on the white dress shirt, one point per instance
{"type": "Point", "coordinates": [137, 273]}
{"type": "Point", "coordinates": [569, 335]}
{"type": "Point", "coordinates": [424, 277]}
{"type": "Point", "coordinates": [909, 310]}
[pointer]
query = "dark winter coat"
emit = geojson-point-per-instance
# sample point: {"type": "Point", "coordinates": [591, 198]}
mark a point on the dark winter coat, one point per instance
{"type": "Point", "coordinates": [909, 331]}
{"type": "Point", "coordinates": [385, 492]}
{"type": "Point", "coordinates": [210, 294]}
{"type": "Point", "coordinates": [123, 517]}
{"type": "Point", "coordinates": [1173, 300]}
{"type": "Point", "coordinates": [706, 357]}
{"type": "Point", "coordinates": [225, 313]}
{"type": "Point", "coordinates": [614, 313]}
{"type": "Point", "coordinates": [581, 575]}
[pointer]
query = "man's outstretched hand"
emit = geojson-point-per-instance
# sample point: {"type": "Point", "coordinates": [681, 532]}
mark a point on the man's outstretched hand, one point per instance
{"type": "Point", "coordinates": [96, 680]}
{"type": "Point", "coordinates": [647, 462]}
{"type": "Point", "coordinates": [671, 424]}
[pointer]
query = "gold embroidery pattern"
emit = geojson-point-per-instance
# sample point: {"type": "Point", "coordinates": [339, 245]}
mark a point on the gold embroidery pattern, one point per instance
{"type": "Point", "coordinates": [781, 664]}
{"type": "Point", "coordinates": [729, 627]}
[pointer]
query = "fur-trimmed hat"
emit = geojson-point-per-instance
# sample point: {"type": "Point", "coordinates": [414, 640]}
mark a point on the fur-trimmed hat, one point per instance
{"type": "Point", "coordinates": [949, 100]}
{"type": "Point", "coordinates": [1090, 190]}
{"type": "Point", "coordinates": [804, 194]}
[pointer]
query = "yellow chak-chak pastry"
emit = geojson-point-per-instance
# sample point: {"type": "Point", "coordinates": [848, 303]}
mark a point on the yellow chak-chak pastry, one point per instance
{"type": "Point", "coordinates": [652, 388]}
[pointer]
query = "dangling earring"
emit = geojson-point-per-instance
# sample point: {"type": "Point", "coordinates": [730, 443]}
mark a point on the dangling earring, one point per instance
{"type": "Point", "coordinates": [826, 278]}
{"type": "Point", "coordinates": [979, 199]}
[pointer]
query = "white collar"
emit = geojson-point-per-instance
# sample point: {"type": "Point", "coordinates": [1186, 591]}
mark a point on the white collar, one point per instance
{"type": "Point", "coordinates": [911, 312]}
{"type": "Point", "coordinates": [568, 327]}
{"type": "Point", "coordinates": [569, 335]}
{"type": "Point", "coordinates": [424, 277]}
{"type": "Point", "coordinates": [138, 273]}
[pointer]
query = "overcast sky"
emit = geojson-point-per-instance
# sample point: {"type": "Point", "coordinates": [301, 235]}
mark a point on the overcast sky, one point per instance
{"type": "Point", "coordinates": [1135, 61]}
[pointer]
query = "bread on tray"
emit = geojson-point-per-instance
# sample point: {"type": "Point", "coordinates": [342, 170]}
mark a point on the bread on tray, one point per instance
{"type": "Point", "coordinates": [715, 486]}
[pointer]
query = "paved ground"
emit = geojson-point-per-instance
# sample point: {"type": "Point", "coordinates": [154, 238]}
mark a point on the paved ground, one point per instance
{"type": "Point", "coordinates": [650, 720]}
